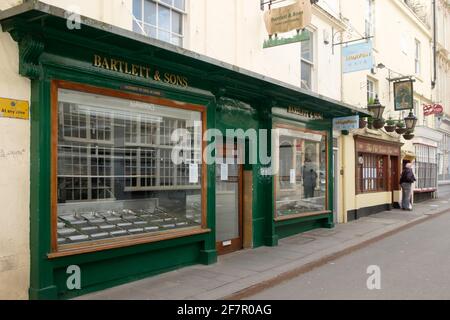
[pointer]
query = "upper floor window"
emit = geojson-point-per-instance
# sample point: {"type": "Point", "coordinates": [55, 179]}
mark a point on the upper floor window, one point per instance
{"type": "Point", "coordinates": [307, 62]}
{"type": "Point", "coordinates": [370, 18]}
{"type": "Point", "coordinates": [371, 90]}
{"type": "Point", "coordinates": [417, 57]}
{"type": "Point", "coordinates": [160, 19]}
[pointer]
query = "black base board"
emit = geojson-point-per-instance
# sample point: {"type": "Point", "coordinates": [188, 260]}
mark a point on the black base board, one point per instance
{"type": "Point", "coordinates": [424, 196]}
{"type": "Point", "coordinates": [367, 211]}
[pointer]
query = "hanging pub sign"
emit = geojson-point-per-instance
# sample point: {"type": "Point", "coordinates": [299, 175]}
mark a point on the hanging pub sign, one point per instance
{"type": "Point", "coordinates": [403, 95]}
{"type": "Point", "coordinates": [430, 109]}
{"type": "Point", "coordinates": [292, 17]}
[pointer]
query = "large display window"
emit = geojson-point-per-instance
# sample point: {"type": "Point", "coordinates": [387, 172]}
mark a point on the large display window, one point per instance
{"type": "Point", "coordinates": [117, 174]}
{"type": "Point", "coordinates": [301, 179]}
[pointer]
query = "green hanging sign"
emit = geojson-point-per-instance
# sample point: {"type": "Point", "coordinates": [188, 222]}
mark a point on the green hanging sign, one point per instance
{"type": "Point", "coordinates": [275, 41]}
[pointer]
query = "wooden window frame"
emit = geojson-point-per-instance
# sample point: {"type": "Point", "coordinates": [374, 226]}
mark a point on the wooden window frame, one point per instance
{"type": "Point", "coordinates": [276, 177]}
{"type": "Point", "coordinates": [126, 241]}
{"type": "Point", "coordinates": [359, 176]}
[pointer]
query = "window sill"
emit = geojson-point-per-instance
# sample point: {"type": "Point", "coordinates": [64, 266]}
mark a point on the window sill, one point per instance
{"type": "Point", "coordinates": [301, 215]}
{"type": "Point", "coordinates": [90, 247]}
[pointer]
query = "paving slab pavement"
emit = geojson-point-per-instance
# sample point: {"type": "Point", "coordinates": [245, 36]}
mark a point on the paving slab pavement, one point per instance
{"type": "Point", "coordinates": [243, 273]}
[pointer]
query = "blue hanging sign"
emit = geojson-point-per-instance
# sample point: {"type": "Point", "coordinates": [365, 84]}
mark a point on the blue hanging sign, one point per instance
{"type": "Point", "coordinates": [357, 57]}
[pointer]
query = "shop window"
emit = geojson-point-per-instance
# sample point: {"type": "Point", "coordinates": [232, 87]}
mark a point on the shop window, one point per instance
{"type": "Point", "coordinates": [160, 19]}
{"type": "Point", "coordinates": [426, 166]}
{"type": "Point", "coordinates": [302, 172]}
{"type": "Point", "coordinates": [372, 173]}
{"type": "Point", "coordinates": [307, 62]}
{"type": "Point", "coordinates": [115, 171]}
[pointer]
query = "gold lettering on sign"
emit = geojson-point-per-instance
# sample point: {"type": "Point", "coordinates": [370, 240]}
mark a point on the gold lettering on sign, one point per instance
{"type": "Point", "coordinates": [141, 71]}
{"type": "Point", "coordinates": [304, 113]}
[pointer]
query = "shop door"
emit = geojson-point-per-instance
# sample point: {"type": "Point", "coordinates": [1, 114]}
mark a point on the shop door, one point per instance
{"type": "Point", "coordinates": [395, 174]}
{"type": "Point", "coordinates": [229, 202]}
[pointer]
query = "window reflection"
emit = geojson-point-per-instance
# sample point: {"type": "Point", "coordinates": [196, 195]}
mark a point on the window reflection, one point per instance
{"type": "Point", "coordinates": [302, 173]}
{"type": "Point", "coordinates": [116, 175]}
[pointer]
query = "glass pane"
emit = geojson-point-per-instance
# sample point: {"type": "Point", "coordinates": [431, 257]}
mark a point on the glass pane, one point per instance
{"type": "Point", "coordinates": [227, 204]}
{"type": "Point", "coordinates": [177, 22]}
{"type": "Point", "coordinates": [137, 9]}
{"type": "Point", "coordinates": [150, 12]}
{"type": "Point", "coordinates": [164, 18]}
{"type": "Point", "coordinates": [179, 4]}
{"type": "Point", "coordinates": [177, 41]}
{"type": "Point", "coordinates": [150, 31]}
{"type": "Point", "coordinates": [136, 27]}
{"type": "Point", "coordinates": [306, 75]}
{"type": "Point", "coordinates": [306, 49]}
{"type": "Point", "coordinates": [301, 179]}
{"type": "Point", "coordinates": [164, 35]}
{"type": "Point", "coordinates": [117, 179]}
{"type": "Point", "coordinates": [169, 2]}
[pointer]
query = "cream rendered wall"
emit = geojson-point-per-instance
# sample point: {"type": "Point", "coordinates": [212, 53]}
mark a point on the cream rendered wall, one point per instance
{"type": "Point", "coordinates": [115, 12]}
{"type": "Point", "coordinates": [14, 177]}
{"type": "Point", "coordinates": [394, 22]}
{"type": "Point", "coordinates": [374, 199]}
{"type": "Point", "coordinates": [233, 31]}
{"type": "Point", "coordinates": [347, 199]}
{"type": "Point", "coordinates": [396, 28]}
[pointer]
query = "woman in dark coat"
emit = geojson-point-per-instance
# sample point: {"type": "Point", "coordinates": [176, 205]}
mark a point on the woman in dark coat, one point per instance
{"type": "Point", "coordinates": [406, 181]}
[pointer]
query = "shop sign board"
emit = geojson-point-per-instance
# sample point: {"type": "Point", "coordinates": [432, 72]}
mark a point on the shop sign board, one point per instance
{"type": "Point", "coordinates": [15, 109]}
{"type": "Point", "coordinates": [139, 70]}
{"type": "Point", "coordinates": [292, 17]}
{"type": "Point", "coordinates": [403, 95]}
{"type": "Point", "coordinates": [346, 123]}
{"type": "Point", "coordinates": [357, 57]}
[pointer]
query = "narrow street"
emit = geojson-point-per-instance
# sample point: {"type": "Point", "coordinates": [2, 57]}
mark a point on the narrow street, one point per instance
{"type": "Point", "coordinates": [413, 263]}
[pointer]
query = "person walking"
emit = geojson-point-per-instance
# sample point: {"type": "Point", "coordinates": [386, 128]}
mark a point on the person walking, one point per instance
{"type": "Point", "coordinates": [406, 181]}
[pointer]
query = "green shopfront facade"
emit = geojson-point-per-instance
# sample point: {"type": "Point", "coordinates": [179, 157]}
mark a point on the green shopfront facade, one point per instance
{"type": "Point", "coordinates": [105, 196]}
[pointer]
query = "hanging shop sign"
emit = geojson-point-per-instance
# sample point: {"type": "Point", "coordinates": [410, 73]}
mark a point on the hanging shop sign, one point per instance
{"type": "Point", "coordinates": [141, 71]}
{"type": "Point", "coordinates": [403, 95]}
{"type": "Point", "coordinates": [299, 37]}
{"type": "Point", "coordinates": [357, 57]}
{"type": "Point", "coordinates": [15, 109]}
{"type": "Point", "coordinates": [292, 17]}
{"type": "Point", "coordinates": [430, 109]}
{"type": "Point", "coordinates": [346, 123]}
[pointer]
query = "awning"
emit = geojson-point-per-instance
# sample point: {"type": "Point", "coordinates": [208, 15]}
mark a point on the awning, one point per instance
{"type": "Point", "coordinates": [247, 86]}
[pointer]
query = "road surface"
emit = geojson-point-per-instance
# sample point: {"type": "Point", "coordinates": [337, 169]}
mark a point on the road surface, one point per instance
{"type": "Point", "coordinates": [413, 264]}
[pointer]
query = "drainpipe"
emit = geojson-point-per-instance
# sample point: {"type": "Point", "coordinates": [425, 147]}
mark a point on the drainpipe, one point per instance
{"type": "Point", "coordinates": [433, 82]}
